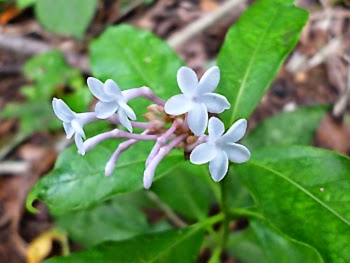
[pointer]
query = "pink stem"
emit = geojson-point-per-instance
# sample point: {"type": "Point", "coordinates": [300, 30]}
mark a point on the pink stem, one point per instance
{"type": "Point", "coordinates": [144, 92]}
{"type": "Point", "coordinates": [161, 141]}
{"type": "Point", "coordinates": [201, 139]}
{"type": "Point", "coordinates": [149, 172]}
{"type": "Point", "coordinates": [116, 133]}
{"type": "Point", "coordinates": [120, 149]}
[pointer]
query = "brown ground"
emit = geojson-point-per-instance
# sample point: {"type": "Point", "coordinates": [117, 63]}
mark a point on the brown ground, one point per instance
{"type": "Point", "coordinates": [302, 81]}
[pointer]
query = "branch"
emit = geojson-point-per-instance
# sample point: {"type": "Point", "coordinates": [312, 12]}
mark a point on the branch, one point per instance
{"type": "Point", "coordinates": [201, 24]}
{"type": "Point", "coordinates": [13, 167]}
{"type": "Point", "coordinates": [32, 47]}
{"type": "Point", "coordinates": [344, 98]}
{"type": "Point", "coordinates": [299, 62]}
{"type": "Point", "coordinates": [171, 215]}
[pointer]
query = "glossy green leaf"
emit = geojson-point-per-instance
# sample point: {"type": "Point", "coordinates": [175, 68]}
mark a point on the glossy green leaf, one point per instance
{"type": "Point", "coordinates": [303, 191]}
{"type": "Point", "coordinates": [244, 246]}
{"type": "Point", "coordinates": [66, 17]}
{"type": "Point", "coordinates": [287, 128]}
{"type": "Point", "coordinates": [166, 247]}
{"type": "Point", "coordinates": [187, 193]}
{"type": "Point", "coordinates": [117, 219]}
{"type": "Point", "coordinates": [253, 52]}
{"type": "Point", "coordinates": [82, 177]}
{"type": "Point", "coordinates": [135, 58]}
{"type": "Point", "coordinates": [239, 195]}
{"type": "Point", "coordinates": [261, 243]}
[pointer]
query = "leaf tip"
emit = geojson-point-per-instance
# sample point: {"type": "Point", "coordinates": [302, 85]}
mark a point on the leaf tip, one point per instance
{"type": "Point", "coordinates": [30, 200]}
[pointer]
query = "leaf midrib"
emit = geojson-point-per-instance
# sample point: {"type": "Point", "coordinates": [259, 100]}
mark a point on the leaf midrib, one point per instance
{"type": "Point", "coordinates": [129, 57]}
{"type": "Point", "coordinates": [176, 243]}
{"type": "Point", "coordinates": [120, 166]}
{"type": "Point", "coordinates": [250, 67]}
{"type": "Point", "coordinates": [305, 191]}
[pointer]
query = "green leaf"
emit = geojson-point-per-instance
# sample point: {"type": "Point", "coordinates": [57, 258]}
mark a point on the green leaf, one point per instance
{"type": "Point", "coordinates": [303, 191]}
{"type": "Point", "coordinates": [44, 118]}
{"type": "Point", "coordinates": [239, 196]}
{"type": "Point", "coordinates": [244, 246]}
{"type": "Point", "coordinates": [25, 3]}
{"type": "Point", "coordinates": [262, 243]}
{"type": "Point", "coordinates": [79, 100]}
{"type": "Point", "coordinates": [253, 52]}
{"type": "Point", "coordinates": [50, 75]}
{"type": "Point", "coordinates": [187, 192]}
{"type": "Point", "coordinates": [115, 220]}
{"type": "Point", "coordinates": [135, 58]}
{"type": "Point", "coordinates": [277, 131]}
{"type": "Point", "coordinates": [82, 177]}
{"type": "Point", "coordinates": [49, 67]}
{"type": "Point", "coordinates": [166, 247]}
{"type": "Point", "coordinates": [66, 17]}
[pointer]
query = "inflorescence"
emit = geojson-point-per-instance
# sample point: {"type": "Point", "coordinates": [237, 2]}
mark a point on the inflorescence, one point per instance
{"type": "Point", "coordinates": [179, 122]}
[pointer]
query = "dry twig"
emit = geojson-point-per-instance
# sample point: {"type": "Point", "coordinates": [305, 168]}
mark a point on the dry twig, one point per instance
{"type": "Point", "coordinates": [173, 217]}
{"type": "Point", "coordinates": [344, 98]}
{"type": "Point", "coordinates": [13, 167]}
{"type": "Point", "coordinates": [198, 26]}
{"type": "Point", "coordinates": [299, 62]}
{"type": "Point", "coordinates": [32, 47]}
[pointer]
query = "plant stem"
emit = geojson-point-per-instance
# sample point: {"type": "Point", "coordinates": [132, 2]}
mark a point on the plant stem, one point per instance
{"type": "Point", "coordinates": [226, 211]}
{"type": "Point", "coordinates": [171, 215]}
{"type": "Point", "coordinates": [245, 212]}
{"type": "Point", "coordinates": [215, 256]}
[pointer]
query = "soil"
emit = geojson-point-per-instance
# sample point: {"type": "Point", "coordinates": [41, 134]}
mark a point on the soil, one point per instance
{"type": "Point", "coordinates": [299, 82]}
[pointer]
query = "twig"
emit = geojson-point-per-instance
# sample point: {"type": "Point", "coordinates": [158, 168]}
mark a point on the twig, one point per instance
{"type": "Point", "coordinates": [10, 69]}
{"type": "Point", "coordinates": [12, 143]}
{"type": "Point", "coordinates": [299, 62]}
{"type": "Point", "coordinates": [181, 37]}
{"type": "Point", "coordinates": [13, 167]}
{"type": "Point", "coordinates": [344, 98]}
{"type": "Point", "coordinates": [177, 221]}
{"type": "Point", "coordinates": [132, 6]}
{"type": "Point", "coordinates": [31, 47]}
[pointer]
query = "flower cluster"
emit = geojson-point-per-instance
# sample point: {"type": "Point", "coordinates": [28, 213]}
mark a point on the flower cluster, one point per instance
{"type": "Point", "coordinates": [179, 122]}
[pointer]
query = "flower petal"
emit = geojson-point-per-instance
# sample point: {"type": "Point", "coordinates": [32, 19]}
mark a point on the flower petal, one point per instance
{"type": "Point", "coordinates": [198, 119]}
{"type": "Point", "coordinates": [236, 132]}
{"type": "Point", "coordinates": [78, 128]}
{"type": "Point", "coordinates": [237, 153]}
{"type": "Point", "coordinates": [68, 129]}
{"type": "Point", "coordinates": [203, 153]}
{"type": "Point", "coordinates": [215, 128]}
{"type": "Point", "coordinates": [79, 143]}
{"type": "Point", "coordinates": [148, 176]}
{"type": "Point", "coordinates": [124, 120]}
{"type": "Point", "coordinates": [178, 104]}
{"type": "Point", "coordinates": [105, 109]}
{"type": "Point", "coordinates": [62, 111]}
{"type": "Point", "coordinates": [128, 110]}
{"type": "Point", "coordinates": [112, 89]}
{"type": "Point", "coordinates": [215, 103]}
{"type": "Point", "coordinates": [209, 80]}
{"type": "Point", "coordinates": [218, 167]}
{"type": "Point", "coordinates": [96, 88]}
{"type": "Point", "coordinates": [187, 80]}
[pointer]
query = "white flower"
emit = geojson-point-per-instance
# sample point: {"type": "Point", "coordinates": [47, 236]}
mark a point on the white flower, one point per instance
{"type": "Point", "coordinates": [197, 98]}
{"type": "Point", "coordinates": [72, 123]}
{"type": "Point", "coordinates": [111, 100]}
{"type": "Point", "coordinates": [219, 149]}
